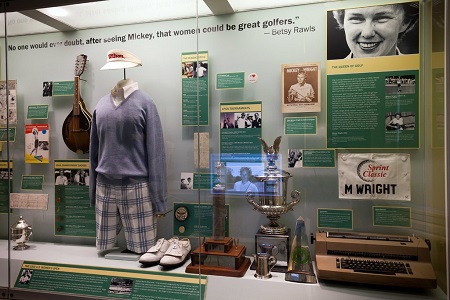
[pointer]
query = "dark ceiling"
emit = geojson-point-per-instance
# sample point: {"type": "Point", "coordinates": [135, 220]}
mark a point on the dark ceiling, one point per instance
{"type": "Point", "coordinates": [19, 5]}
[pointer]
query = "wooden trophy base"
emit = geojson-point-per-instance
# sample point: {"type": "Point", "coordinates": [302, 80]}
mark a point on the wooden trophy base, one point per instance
{"type": "Point", "coordinates": [219, 257]}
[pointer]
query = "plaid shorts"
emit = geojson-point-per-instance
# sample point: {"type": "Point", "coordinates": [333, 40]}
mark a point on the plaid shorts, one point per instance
{"type": "Point", "coordinates": [128, 206]}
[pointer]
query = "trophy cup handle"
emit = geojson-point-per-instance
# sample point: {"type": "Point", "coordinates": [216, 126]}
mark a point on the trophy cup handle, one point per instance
{"type": "Point", "coordinates": [275, 251]}
{"type": "Point", "coordinates": [29, 232]}
{"type": "Point", "coordinates": [272, 262]}
{"type": "Point", "coordinates": [250, 196]}
{"type": "Point", "coordinates": [295, 195]}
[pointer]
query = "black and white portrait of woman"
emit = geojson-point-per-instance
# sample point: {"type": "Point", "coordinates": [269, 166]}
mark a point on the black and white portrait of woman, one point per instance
{"type": "Point", "coordinates": [373, 31]}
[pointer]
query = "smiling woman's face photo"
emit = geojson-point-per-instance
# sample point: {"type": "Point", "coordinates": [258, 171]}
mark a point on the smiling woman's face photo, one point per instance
{"type": "Point", "coordinates": [373, 31]}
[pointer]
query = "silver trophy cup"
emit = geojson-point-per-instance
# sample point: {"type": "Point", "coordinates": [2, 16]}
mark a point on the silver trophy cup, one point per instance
{"type": "Point", "coordinates": [272, 197]}
{"type": "Point", "coordinates": [20, 234]}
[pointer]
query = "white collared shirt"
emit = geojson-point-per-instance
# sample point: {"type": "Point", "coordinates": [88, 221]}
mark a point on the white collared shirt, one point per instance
{"type": "Point", "coordinates": [121, 93]}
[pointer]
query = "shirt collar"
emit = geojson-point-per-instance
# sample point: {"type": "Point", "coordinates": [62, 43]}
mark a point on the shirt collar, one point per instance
{"type": "Point", "coordinates": [127, 90]}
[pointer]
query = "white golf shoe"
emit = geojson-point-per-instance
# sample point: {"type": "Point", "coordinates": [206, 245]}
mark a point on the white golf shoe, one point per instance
{"type": "Point", "coordinates": [177, 253]}
{"type": "Point", "coordinates": [155, 253]}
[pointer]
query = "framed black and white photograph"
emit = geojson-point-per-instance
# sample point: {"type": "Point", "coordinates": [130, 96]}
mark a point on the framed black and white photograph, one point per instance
{"type": "Point", "coordinates": [300, 88]}
{"type": "Point", "coordinates": [373, 31]}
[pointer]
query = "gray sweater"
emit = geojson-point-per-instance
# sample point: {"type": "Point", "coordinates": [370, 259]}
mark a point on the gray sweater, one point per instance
{"type": "Point", "coordinates": [127, 146]}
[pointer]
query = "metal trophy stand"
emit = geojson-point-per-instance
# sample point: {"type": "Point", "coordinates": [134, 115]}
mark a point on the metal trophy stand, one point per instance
{"type": "Point", "coordinates": [219, 255]}
{"type": "Point", "coordinates": [272, 203]}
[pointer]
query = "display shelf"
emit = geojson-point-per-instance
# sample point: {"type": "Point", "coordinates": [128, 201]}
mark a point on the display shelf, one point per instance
{"type": "Point", "coordinates": [218, 287]}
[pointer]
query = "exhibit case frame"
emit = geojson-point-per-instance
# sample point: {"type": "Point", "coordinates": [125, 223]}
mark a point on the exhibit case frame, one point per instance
{"type": "Point", "coordinates": [282, 121]}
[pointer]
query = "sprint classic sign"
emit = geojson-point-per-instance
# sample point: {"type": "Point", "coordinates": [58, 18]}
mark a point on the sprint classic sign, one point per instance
{"type": "Point", "coordinates": [371, 176]}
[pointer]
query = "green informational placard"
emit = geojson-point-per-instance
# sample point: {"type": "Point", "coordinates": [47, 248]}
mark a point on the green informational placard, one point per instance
{"type": "Point", "coordinates": [74, 215]}
{"type": "Point", "coordinates": [4, 134]}
{"type": "Point", "coordinates": [4, 196]}
{"type": "Point", "coordinates": [437, 108]}
{"type": "Point", "coordinates": [5, 188]}
{"type": "Point", "coordinates": [300, 125]}
{"type": "Point", "coordinates": [186, 220]}
{"type": "Point", "coordinates": [195, 89]}
{"type": "Point", "coordinates": [361, 107]}
{"type": "Point", "coordinates": [335, 218]}
{"type": "Point", "coordinates": [63, 88]}
{"type": "Point", "coordinates": [240, 131]}
{"type": "Point", "coordinates": [319, 158]}
{"type": "Point", "coordinates": [99, 282]}
{"type": "Point", "coordinates": [230, 80]}
{"type": "Point", "coordinates": [391, 216]}
{"type": "Point", "coordinates": [37, 112]}
{"type": "Point", "coordinates": [204, 181]}
{"type": "Point", "coordinates": [32, 182]}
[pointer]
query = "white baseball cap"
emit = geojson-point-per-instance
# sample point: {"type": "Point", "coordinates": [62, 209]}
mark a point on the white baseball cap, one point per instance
{"type": "Point", "coordinates": [121, 59]}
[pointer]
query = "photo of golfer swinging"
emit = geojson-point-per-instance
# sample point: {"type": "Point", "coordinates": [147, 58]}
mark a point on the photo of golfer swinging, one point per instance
{"type": "Point", "coordinates": [37, 146]}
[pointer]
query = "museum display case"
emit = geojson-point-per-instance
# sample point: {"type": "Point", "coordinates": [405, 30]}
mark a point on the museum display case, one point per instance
{"type": "Point", "coordinates": [274, 146]}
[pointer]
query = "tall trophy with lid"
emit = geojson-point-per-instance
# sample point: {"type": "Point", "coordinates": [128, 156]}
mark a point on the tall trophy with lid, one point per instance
{"type": "Point", "coordinates": [271, 201]}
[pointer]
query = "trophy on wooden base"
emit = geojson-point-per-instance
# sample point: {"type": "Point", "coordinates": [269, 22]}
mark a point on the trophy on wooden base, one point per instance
{"type": "Point", "coordinates": [219, 255]}
{"type": "Point", "coordinates": [272, 203]}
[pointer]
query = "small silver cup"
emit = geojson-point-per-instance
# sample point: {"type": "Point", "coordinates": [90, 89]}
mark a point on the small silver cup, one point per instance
{"type": "Point", "coordinates": [20, 233]}
{"type": "Point", "coordinates": [264, 264]}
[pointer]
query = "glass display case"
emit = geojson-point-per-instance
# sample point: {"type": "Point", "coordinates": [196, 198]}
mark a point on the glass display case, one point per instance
{"type": "Point", "coordinates": [253, 134]}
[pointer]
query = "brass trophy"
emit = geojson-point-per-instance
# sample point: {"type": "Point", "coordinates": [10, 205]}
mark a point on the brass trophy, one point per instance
{"type": "Point", "coordinates": [20, 233]}
{"type": "Point", "coordinates": [272, 203]}
{"type": "Point", "coordinates": [219, 255]}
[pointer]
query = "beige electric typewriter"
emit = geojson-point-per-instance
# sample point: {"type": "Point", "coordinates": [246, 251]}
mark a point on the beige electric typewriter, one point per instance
{"type": "Point", "coordinates": [402, 261]}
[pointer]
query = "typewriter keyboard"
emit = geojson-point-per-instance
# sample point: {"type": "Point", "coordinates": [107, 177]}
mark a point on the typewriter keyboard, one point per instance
{"type": "Point", "coordinates": [374, 266]}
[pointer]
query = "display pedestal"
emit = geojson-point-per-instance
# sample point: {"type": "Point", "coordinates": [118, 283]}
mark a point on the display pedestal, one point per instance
{"type": "Point", "coordinates": [219, 257]}
{"type": "Point", "coordinates": [217, 287]}
{"type": "Point", "coordinates": [281, 250]}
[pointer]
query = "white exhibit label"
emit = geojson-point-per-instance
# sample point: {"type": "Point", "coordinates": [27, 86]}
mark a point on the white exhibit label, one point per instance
{"type": "Point", "coordinates": [30, 201]}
